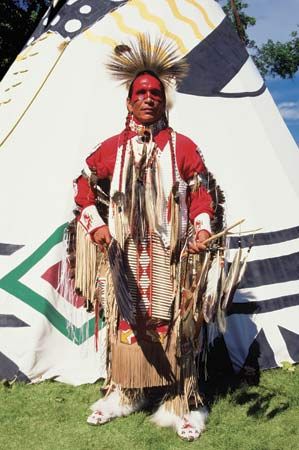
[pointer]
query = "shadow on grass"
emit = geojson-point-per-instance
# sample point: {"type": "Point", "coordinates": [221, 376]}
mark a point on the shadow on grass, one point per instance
{"type": "Point", "coordinates": [221, 378]}
{"type": "Point", "coordinates": [261, 404]}
{"type": "Point", "coordinates": [244, 387]}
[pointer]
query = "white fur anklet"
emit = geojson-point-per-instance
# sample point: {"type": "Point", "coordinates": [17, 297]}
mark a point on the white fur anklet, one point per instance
{"type": "Point", "coordinates": [109, 408]}
{"type": "Point", "coordinates": [165, 418]}
{"type": "Point", "coordinates": [193, 424]}
{"type": "Point", "coordinates": [189, 427]}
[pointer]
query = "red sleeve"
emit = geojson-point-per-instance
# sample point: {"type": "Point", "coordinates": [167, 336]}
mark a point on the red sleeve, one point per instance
{"type": "Point", "coordinates": [102, 161]}
{"type": "Point", "coordinates": [189, 164]}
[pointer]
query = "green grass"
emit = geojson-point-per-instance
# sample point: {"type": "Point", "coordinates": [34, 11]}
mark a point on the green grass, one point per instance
{"type": "Point", "coordinates": [52, 416]}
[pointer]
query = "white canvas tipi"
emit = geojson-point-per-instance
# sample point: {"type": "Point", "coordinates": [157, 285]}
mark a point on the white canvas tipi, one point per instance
{"type": "Point", "coordinates": [56, 107]}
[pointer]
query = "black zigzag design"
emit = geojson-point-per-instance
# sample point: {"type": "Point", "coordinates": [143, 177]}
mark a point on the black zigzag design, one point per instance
{"type": "Point", "coordinates": [10, 371]}
{"type": "Point", "coordinates": [214, 62]}
{"type": "Point", "coordinates": [11, 321]}
{"type": "Point", "coordinates": [9, 249]}
{"type": "Point", "coordinates": [292, 342]}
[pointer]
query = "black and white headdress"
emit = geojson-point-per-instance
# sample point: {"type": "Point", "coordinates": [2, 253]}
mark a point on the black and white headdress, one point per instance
{"type": "Point", "coordinates": [160, 57]}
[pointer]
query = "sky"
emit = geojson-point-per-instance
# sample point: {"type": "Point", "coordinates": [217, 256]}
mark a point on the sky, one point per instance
{"type": "Point", "coordinates": [276, 19]}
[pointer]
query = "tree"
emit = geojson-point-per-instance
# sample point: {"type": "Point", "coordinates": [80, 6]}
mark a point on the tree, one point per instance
{"type": "Point", "coordinates": [17, 22]}
{"type": "Point", "coordinates": [272, 58]}
{"type": "Point", "coordinates": [234, 9]}
{"type": "Point", "coordinates": [277, 58]}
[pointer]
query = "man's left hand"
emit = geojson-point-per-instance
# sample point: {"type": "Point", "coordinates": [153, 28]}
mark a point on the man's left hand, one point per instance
{"type": "Point", "coordinates": [196, 245]}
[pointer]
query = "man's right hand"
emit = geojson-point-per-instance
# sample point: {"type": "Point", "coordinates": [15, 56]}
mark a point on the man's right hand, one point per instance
{"type": "Point", "coordinates": [102, 236]}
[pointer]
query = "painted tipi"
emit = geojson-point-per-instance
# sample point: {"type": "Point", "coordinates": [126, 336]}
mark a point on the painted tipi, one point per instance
{"type": "Point", "coordinates": [55, 108]}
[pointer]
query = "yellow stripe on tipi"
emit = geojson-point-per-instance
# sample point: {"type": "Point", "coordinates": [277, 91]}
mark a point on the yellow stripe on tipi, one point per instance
{"type": "Point", "coordinates": [203, 12]}
{"type": "Point", "coordinates": [91, 36]}
{"type": "Point", "coordinates": [18, 120]}
{"type": "Point", "coordinates": [144, 12]}
{"type": "Point", "coordinates": [24, 54]}
{"type": "Point", "coordinates": [179, 16]}
{"type": "Point", "coordinates": [122, 26]}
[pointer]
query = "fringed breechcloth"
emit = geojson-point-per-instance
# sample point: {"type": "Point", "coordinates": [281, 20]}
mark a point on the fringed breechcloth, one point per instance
{"type": "Point", "coordinates": [142, 356]}
{"type": "Point", "coordinates": [149, 354]}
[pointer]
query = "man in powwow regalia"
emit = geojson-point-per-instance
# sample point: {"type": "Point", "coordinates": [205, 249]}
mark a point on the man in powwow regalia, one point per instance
{"type": "Point", "coordinates": [140, 246]}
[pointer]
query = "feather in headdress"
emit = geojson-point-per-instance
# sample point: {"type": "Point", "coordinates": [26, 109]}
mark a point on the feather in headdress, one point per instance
{"type": "Point", "coordinates": [160, 57]}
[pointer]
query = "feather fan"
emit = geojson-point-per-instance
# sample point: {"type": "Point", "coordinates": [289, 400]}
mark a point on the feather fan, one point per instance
{"type": "Point", "coordinates": [234, 276]}
{"type": "Point", "coordinates": [120, 282]}
{"type": "Point", "coordinates": [212, 294]}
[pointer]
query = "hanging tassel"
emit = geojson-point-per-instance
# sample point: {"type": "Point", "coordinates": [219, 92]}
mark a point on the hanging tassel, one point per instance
{"type": "Point", "coordinates": [202, 280]}
{"type": "Point", "coordinates": [212, 294]}
{"type": "Point", "coordinates": [174, 214]}
{"type": "Point", "coordinates": [160, 198]}
{"type": "Point", "coordinates": [220, 314]}
{"type": "Point", "coordinates": [100, 291]}
{"type": "Point", "coordinates": [68, 263]}
{"type": "Point", "coordinates": [120, 282]}
{"type": "Point", "coordinates": [86, 264]}
{"type": "Point", "coordinates": [119, 222]}
{"type": "Point", "coordinates": [129, 174]}
{"type": "Point", "coordinates": [110, 306]}
{"type": "Point", "coordinates": [234, 276]}
{"type": "Point", "coordinates": [138, 221]}
{"type": "Point", "coordinates": [154, 196]}
{"type": "Point", "coordinates": [66, 280]}
{"type": "Point", "coordinates": [150, 200]}
{"type": "Point", "coordinates": [96, 323]}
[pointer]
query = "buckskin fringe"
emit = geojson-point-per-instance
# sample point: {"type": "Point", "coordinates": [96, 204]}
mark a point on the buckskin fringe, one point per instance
{"type": "Point", "coordinates": [189, 376]}
{"type": "Point", "coordinates": [140, 366]}
{"type": "Point", "coordinates": [110, 307]}
{"type": "Point", "coordinates": [180, 403]}
{"type": "Point", "coordinates": [131, 396]}
{"type": "Point", "coordinates": [177, 404]}
{"type": "Point", "coordinates": [86, 264]}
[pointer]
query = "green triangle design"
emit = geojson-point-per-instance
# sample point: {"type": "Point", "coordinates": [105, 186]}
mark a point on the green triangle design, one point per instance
{"type": "Point", "coordinates": [11, 284]}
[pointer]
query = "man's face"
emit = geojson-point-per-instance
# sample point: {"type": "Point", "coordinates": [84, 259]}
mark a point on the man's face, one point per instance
{"type": "Point", "coordinates": [147, 102]}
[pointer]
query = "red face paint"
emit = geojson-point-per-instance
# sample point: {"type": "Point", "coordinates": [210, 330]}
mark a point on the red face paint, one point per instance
{"type": "Point", "coordinates": [146, 86]}
{"type": "Point", "coordinates": [147, 102]}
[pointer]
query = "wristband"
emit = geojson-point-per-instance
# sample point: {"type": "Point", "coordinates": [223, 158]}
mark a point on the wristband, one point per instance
{"type": "Point", "coordinates": [90, 219]}
{"type": "Point", "coordinates": [202, 222]}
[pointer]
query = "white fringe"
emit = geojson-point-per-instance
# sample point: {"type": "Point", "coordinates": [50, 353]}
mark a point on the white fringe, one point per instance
{"type": "Point", "coordinates": [198, 418]}
{"type": "Point", "coordinates": [214, 290]}
{"type": "Point", "coordinates": [86, 263]}
{"type": "Point", "coordinates": [165, 418]}
{"type": "Point", "coordinates": [112, 405]}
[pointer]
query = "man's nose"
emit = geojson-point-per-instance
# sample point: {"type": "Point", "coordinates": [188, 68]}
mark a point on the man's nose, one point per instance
{"type": "Point", "coordinates": [149, 97]}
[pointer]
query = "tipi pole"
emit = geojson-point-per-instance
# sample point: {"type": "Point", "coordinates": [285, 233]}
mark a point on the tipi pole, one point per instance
{"type": "Point", "coordinates": [240, 28]}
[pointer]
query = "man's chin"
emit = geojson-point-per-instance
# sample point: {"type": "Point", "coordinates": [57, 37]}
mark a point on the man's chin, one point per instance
{"type": "Point", "coordinates": [147, 120]}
